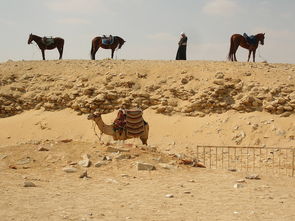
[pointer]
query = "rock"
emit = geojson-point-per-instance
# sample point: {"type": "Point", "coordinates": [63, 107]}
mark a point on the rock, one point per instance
{"type": "Point", "coordinates": [69, 169]}
{"type": "Point", "coordinates": [100, 163]}
{"type": "Point", "coordinates": [167, 166]}
{"type": "Point", "coordinates": [184, 81]}
{"type": "Point", "coordinates": [125, 175]}
{"type": "Point", "coordinates": [29, 184]}
{"type": "Point", "coordinates": [23, 161]}
{"type": "Point", "coordinates": [84, 174]}
{"type": "Point", "coordinates": [115, 150]}
{"type": "Point", "coordinates": [169, 196]}
{"type": "Point", "coordinates": [241, 181]}
{"type": "Point", "coordinates": [187, 192]}
{"type": "Point", "coordinates": [219, 75]}
{"type": "Point", "coordinates": [84, 163]}
{"type": "Point", "coordinates": [145, 166]}
{"type": "Point", "coordinates": [199, 164]}
{"type": "Point", "coordinates": [232, 170]}
{"type": "Point", "coordinates": [286, 114]}
{"type": "Point", "coordinates": [66, 140]}
{"type": "Point", "coordinates": [42, 149]}
{"type": "Point", "coordinates": [238, 185]}
{"type": "Point", "coordinates": [123, 157]}
{"type": "Point", "coordinates": [253, 177]}
{"type": "Point", "coordinates": [2, 156]}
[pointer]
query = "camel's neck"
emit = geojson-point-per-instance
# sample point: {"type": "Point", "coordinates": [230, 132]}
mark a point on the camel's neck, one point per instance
{"type": "Point", "coordinates": [106, 129]}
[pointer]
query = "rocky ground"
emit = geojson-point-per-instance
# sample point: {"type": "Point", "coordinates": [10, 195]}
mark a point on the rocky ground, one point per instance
{"type": "Point", "coordinates": [54, 167]}
{"type": "Point", "coordinates": [192, 88]}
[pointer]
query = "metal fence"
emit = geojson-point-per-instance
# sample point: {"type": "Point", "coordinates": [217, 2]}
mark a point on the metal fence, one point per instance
{"type": "Point", "coordinates": [272, 160]}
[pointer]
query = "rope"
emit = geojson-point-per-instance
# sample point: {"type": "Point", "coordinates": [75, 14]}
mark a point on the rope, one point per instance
{"type": "Point", "coordinates": [99, 136]}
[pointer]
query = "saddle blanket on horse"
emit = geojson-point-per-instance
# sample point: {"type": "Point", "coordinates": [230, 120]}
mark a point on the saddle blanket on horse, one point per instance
{"type": "Point", "coordinates": [48, 40]}
{"type": "Point", "coordinates": [107, 40]}
{"type": "Point", "coordinates": [250, 39]}
{"type": "Point", "coordinates": [131, 121]}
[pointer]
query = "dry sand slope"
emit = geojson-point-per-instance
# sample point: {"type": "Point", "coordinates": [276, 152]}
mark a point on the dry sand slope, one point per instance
{"type": "Point", "coordinates": [43, 103]}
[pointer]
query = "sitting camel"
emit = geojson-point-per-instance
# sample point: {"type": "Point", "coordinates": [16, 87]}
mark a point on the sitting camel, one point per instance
{"type": "Point", "coordinates": [135, 127]}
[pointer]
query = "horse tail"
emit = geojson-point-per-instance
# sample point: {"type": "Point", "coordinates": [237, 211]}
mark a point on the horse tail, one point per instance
{"type": "Point", "coordinates": [231, 49]}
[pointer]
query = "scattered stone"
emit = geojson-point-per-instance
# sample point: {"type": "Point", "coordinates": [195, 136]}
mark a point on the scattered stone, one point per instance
{"type": "Point", "coordinates": [192, 181]}
{"type": "Point", "coordinates": [84, 174]}
{"type": "Point", "coordinates": [84, 163]}
{"type": "Point", "coordinates": [42, 149]}
{"type": "Point", "coordinates": [187, 192]}
{"type": "Point", "coordinates": [123, 157]}
{"type": "Point", "coordinates": [12, 167]}
{"type": "Point", "coordinates": [29, 184]}
{"type": "Point", "coordinates": [286, 114]}
{"type": "Point", "coordinates": [238, 185]}
{"type": "Point", "coordinates": [109, 180]}
{"type": "Point", "coordinates": [184, 81]}
{"type": "Point", "coordinates": [169, 196]}
{"type": "Point", "coordinates": [253, 177]}
{"type": "Point", "coordinates": [201, 165]}
{"type": "Point", "coordinates": [69, 169]}
{"type": "Point", "coordinates": [241, 181]}
{"type": "Point", "coordinates": [2, 156]}
{"type": "Point", "coordinates": [219, 75]}
{"type": "Point", "coordinates": [232, 170]}
{"type": "Point", "coordinates": [124, 175]}
{"type": "Point", "coordinates": [66, 140]}
{"type": "Point", "coordinates": [23, 161]}
{"type": "Point", "coordinates": [167, 166]}
{"type": "Point", "coordinates": [115, 150]}
{"type": "Point", "coordinates": [145, 166]}
{"type": "Point", "coordinates": [100, 163]}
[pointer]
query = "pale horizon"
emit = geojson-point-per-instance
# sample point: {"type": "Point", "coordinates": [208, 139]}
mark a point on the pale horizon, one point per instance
{"type": "Point", "coordinates": [151, 28]}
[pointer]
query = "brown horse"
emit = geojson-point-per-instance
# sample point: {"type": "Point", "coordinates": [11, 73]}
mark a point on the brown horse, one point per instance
{"type": "Point", "coordinates": [97, 43]}
{"type": "Point", "coordinates": [57, 43]}
{"type": "Point", "coordinates": [237, 40]}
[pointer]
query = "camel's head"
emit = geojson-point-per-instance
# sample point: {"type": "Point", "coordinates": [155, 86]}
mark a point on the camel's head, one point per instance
{"type": "Point", "coordinates": [93, 116]}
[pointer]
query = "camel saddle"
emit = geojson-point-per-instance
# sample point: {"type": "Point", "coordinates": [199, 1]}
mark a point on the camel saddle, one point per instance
{"type": "Point", "coordinates": [130, 121]}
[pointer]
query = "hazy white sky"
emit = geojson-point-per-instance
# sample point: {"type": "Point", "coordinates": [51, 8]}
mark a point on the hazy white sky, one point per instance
{"type": "Point", "coordinates": [150, 27]}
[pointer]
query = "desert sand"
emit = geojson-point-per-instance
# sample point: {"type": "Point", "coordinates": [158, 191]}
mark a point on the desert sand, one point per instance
{"type": "Point", "coordinates": [44, 129]}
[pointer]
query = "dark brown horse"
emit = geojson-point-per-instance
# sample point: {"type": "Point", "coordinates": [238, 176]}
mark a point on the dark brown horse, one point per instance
{"type": "Point", "coordinates": [57, 43]}
{"type": "Point", "coordinates": [97, 43]}
{"type": "Point", "coordinates": [237, 40]}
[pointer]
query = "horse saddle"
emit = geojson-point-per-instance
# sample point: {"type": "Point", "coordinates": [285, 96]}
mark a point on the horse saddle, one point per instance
{"type": "Point", "coordinates": [131, 121]}
{"type": "Point", "coordinates": [48, 40]}
{"type": "Point", "coordinates": [107, 40]}
{"type": "Point", "coordinates": [250, 39]}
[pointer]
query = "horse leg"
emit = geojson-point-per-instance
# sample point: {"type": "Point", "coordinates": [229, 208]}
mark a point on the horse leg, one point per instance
{"type": "Point", "coordinates": [254, 52]}
{"type": "Point", "coordinates": [113, 53]}
{"type": "Point", "coordinates": [93, 52]}
{"type": "Point", "coordinates": [249, 55]}
{"type": "Point", "coordinates": [43, 54]}
{"type": "Point", "coordinates": [60, 50]}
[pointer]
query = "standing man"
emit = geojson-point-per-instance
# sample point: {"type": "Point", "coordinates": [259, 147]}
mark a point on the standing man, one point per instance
{"type": "Point", "coordinates": [181, 52]}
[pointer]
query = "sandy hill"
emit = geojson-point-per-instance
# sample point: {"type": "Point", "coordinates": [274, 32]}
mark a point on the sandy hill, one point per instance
{"type": "Point", "coordinates": [44, 106]}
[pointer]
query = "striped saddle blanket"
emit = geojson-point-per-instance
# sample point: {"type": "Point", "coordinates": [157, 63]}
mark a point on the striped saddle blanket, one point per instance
{"type": "Point", "coordinates": [130, 121]}
{"type": "Point", "coordinates": [134, 122]}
